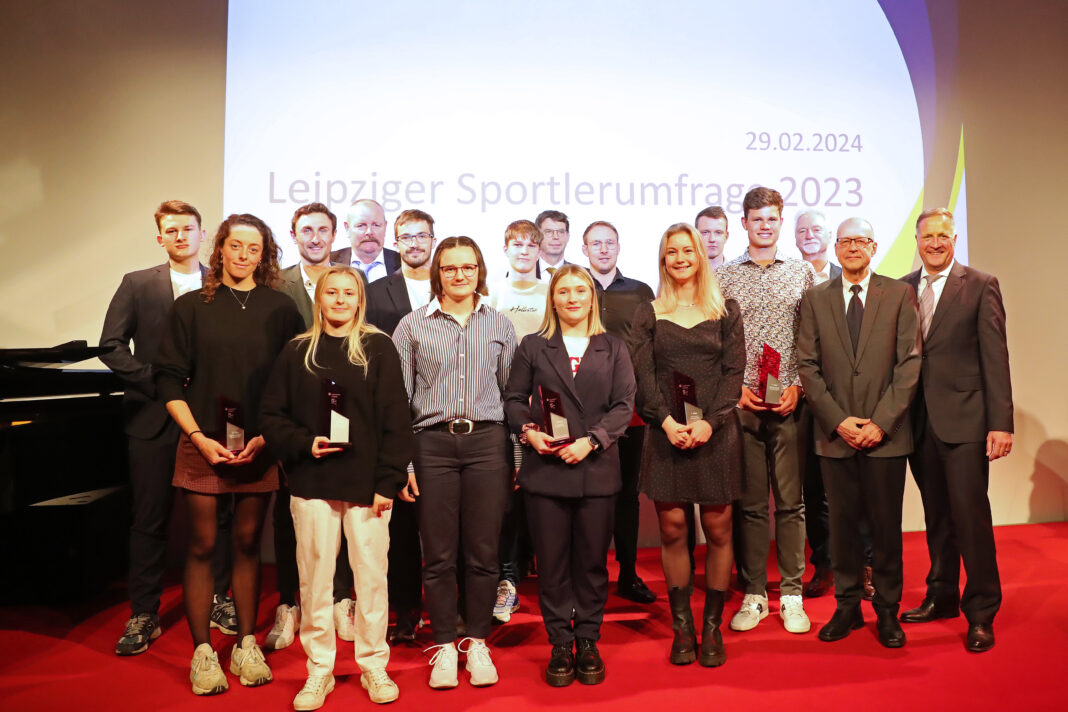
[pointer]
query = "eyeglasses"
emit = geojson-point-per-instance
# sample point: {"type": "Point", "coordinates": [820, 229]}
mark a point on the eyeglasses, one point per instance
{"type": "Point", "coordinates": [553, 233]}
{"type": "Point", "coordinates": [450, 271]}
{"type": "Point", "coordinates": [409, 239]}
{"type": "Point", "coordinates": [850, 241]}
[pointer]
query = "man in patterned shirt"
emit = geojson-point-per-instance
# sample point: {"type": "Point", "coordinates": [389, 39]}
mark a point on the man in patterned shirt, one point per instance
{"type": "Point", "coordinates": [768, 287]}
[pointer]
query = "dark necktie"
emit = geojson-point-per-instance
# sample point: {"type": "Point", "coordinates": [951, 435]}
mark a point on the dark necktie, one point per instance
{"type": "Point", "coordinates": [855, 316]}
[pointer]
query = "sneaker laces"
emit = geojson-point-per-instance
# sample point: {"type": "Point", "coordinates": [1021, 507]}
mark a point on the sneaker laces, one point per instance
{"type": "Point", "coordinates": [252, 654]}
{"type": "Point", "coordinates": [441, 651]}
{"type": "Point", "coordinates": [502, 594]}
{"type": "Point", "coordinates": [202, 662]}
{"type": "Point", "coordinates": [377, 677]}
{"type": "Point", "coordinates": [314, 685]}
{"type": "Point", "coordinates": [754, 601]}
{"type": "Point", "coordinates": [137, 624]}
{"type": "Point", "coordinates": [476, 649]}
{"type": "Point", "coordinates": [792, 605]}
{"type": "Point", "coordinates": [282, 616]}
{"type": "Point", "coordinates": [225, 605]}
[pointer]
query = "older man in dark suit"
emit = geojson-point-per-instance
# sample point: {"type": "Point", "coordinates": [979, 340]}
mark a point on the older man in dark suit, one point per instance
{"type": "Point", "coordinates": [859, 362]}
{"type": "Point", "coordinates": [137, 315]}
{"type": "Point", "coordinates": [366, 228]}
{"type": "Point", "coordinates": [964, 419]}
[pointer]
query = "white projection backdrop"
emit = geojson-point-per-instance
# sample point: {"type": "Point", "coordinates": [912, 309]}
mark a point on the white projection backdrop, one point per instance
{"type": "Point", "coordinates": [639, 113]}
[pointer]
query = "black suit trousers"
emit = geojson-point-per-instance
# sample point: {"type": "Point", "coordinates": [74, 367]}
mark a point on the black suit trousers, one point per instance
{"type": "Point", "coordinates": [953, 481]}
{"type": "Point", "coordinates": [627, 505]}
{"type": "Point", "coordinates": [859, 487]}
{"type": "Point", "coordinates": [571, 537]}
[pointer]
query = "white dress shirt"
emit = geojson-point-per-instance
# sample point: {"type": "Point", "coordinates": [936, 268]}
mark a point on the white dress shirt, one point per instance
{"type": "Point", "coordinates": [847, 285]}
{"type": "Point", "coordinates": [938, 285]}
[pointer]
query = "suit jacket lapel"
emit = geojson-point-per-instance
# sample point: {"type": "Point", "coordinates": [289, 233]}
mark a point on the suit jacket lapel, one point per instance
{"type": "Point", "coordinates": [398, 292]}
{"type": "Point", "coordinates": [871, 312]}
{"type": "Point", "coordinates": [950, 294]}
{"type": "Point", "coordinates": [594, 363]}
{"type": "Point", "coordinates": [561, 363]}
{"type": "Point", "coordinates": [161, 285]}
{"type": "Point", "coordinates": [838, 310]}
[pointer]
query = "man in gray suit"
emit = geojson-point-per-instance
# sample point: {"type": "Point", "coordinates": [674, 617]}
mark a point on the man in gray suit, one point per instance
{"type": "Point", "coordinates": [859, 362]}
{"type": "Point", "coordinates": [137, 316]}
{"type": "Point", "coordinates": [312, 228]}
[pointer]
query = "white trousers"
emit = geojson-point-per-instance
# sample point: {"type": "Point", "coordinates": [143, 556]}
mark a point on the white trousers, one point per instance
{"type": "Point", "coordinates": [318, 524]}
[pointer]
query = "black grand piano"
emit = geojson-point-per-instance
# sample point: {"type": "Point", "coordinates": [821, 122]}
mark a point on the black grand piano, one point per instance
{"type": "Point", "coordinates": [64, 503]}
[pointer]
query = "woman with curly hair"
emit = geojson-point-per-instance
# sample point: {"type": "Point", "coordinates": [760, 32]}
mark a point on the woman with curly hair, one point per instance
{"type": "Point", "coordinates": [211, 368]}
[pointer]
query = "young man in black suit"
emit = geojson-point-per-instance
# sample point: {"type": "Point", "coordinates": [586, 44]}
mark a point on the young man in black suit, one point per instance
{"type": "Point", "coordinates": [137, 315]}
{"type": "Point", "coordinates": [964, 420]}
{"type": "Point", "coordinates": [389, 300]}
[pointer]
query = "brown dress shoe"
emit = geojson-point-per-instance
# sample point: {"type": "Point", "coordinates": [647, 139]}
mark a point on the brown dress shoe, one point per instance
{"type": "Point", "coordinates": [980, 638]}
{"type": "Point", "coordinates": [821, 583]}
{"type": "Point", "coordinates": [869, 587]}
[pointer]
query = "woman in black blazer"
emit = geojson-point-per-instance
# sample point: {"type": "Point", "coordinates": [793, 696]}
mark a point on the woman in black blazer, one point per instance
{"type": "Point", "coordinates": [570, 488]}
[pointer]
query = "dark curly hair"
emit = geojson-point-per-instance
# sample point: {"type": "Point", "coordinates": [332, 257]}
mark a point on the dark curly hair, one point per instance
{"type": "Point", "coordinates": [266, 272]}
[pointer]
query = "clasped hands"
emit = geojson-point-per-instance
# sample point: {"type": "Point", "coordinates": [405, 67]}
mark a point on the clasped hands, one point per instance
{"type": "Point", "coordinates": [687, 437]}
{"type": "Point", "coordinates": [572, 453]}
{"type": "Point", "coordinates": [860, 433]}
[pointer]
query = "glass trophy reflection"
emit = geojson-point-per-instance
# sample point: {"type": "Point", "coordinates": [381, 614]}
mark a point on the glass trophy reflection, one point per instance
{"type": "Point", "coordinates": [230, 414]}
{"type": "Point", "coordinates": [553, 419]}
{"type": "Point", "coordinates": [686, 399]}
{"type": "Point", "coordinates": [333, 418]}
{"type": "Point", "coordinates": [770, 387]}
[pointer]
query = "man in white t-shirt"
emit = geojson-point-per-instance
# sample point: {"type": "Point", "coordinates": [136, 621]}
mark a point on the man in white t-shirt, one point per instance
{"type": "Point", "coordinates": [520, 296]}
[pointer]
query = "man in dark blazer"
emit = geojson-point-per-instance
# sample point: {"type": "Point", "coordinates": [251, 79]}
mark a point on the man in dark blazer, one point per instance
{"type": "Point", "coordinates": [366, 228]}
{"type": "Point", "coordinates": [964, 419]}
{"type": "Point", "coordinates": [137, 315]}
{"type": "Point", "coordinates": [555, 231]}
{"type": "Point", "coordinates": [859, 363]}
{"type": "Point", "coordinates": [388, 301]}
{"type": "Point", "coordinates": [312, 228]}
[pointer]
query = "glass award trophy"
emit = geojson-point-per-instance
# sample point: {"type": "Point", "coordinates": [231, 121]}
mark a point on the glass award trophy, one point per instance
{"type": "Point", "coordinates": [232, 418]}
{"type": "Point", "coordinates": [333, 421]}
{"type": "Point", "coordinates": [686, 399]}
{"type": "Point", "coordinates": [553, 419]}
{"type": "Point", "coordinates": [770, 387]}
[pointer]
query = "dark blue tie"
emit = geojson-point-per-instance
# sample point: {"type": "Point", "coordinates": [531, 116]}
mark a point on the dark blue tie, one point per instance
{"type": "Point", "coordinates": [855, 316]}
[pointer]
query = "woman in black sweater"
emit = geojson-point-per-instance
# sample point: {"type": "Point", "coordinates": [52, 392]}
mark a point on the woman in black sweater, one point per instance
{"type": "Point", "coordinates": [336, 411]}
{"type": "Point", "coordinates": [215, 354]}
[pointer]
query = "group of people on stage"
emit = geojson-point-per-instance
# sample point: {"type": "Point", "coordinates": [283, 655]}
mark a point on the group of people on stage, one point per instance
{"type": "Point", "coordinates": [413, 419]}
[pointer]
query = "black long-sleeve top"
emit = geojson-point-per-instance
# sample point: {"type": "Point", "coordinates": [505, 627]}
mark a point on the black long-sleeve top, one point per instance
{"type": "Point", "coordinates": [224, 350]}
{"type": "Point", "coordinates": [376, 404]}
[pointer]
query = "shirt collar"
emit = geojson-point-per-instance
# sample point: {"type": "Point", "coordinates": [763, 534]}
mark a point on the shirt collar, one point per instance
{"type": "Point", "coordinates": [746, 257]}
{"type": "Point", "coordinates": [944, 273]}
{"type": "Point", "coordinates": [846, 284]}
{"type": "Point", "coordinates": [434, 305]}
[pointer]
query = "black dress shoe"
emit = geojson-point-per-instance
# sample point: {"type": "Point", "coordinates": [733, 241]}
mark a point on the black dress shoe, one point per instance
{"type": "Point", "coordinates": [560, 672]}
{"type": "Point", "coordinates": [890, 633]}
{"type": "Point", "coordinates": [821, 583]}
{"type": "Point", "coordinates": [588, 662]}
{"type": "Point", "coordinates": [980, 638]}
{"type": "Point", "coordinates": [842, 623]}
{"type": "Point", "coordinates": [634, 589]}
{"type": "Point", "coordinates": [930, 610]}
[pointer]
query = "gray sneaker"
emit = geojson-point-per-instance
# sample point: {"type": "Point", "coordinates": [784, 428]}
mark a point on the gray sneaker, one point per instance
{"type": "Point", "coordinates": [141, 630]}
{"type": "Point", "coordinates": [224, 615]}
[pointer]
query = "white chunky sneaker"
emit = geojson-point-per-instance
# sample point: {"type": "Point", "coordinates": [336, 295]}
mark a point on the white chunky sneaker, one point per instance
{"type": "Point", "coordinates": [479, 663]}
{"type": "Point", "coordinates": [380, 688]}
{"type": "Point", "coordinates": [345, 619]}
{"type": "Point", "coordinates": [247, 662]}
{"type": "Point", "coordinates": [286, 625]}
{"type": "Point", "coordinates": [754, 609]}
{"type": "Point", "coordinates": [794, 618]}
{"type": "Point", "coordinates": [445, 660]}
{"type": "Point", "coordinates": [205, 673]}
{"type": "Point", "coordinates": [313, 694]}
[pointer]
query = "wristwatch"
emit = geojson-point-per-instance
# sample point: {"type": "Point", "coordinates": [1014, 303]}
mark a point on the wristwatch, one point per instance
{"type": "Point", "coordinates": [593, 442]}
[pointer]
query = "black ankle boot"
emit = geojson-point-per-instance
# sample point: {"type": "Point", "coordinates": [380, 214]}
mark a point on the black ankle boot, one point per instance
{"type": "Point", "coordinates": [712, 652]}
{"type": "Point", "coordinates": [588, 662]}
{"type": "Point", "coordinates": [561, 669]}
{"type": "Point", "coordinates": [683, 646]}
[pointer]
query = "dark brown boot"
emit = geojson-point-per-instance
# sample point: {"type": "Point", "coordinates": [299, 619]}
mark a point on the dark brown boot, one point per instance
{"type": "Point", "coordinates": [712, 652]}
{"type": "Point", "coordinates": [683, 647]}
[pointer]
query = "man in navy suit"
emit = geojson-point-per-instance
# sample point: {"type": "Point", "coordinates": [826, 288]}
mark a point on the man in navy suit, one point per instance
{"type": "Point", "coordinates": [137, 314]}
{"type": "Point", "coordinates": [389, 300]}
{"type": "Point", "coordinates": [366, 227]}
{"type": "Point", "coordinates": [963, 417]}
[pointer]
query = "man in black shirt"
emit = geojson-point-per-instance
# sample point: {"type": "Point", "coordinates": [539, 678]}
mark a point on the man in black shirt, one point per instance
{"type": "Point", "coordinates": [618, 297]}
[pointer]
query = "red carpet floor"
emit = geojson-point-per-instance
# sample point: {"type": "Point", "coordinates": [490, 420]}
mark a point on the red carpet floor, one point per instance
{"type": "Point", "coordinates": [63, 659]}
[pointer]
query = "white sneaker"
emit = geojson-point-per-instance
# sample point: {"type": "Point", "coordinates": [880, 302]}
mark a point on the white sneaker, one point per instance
{"type": "Point", "coordinates": [445, 660]}
{"type": "Point", "coordinates": [313, 695]}
{"type": "Point", "coordinates": [754, 609]}
{"type": "Point", "coordinates": [286, 625]}
{"type": "Point", "coordinates": [247, 662]}
{"type": "Point", "coordinates": [794, 618]}
{"type": "Point", "coordinates": [479, 663]}
{"type": "Point", "coordinates": [345, 619]}
{"type": "Point", "coordinates": [380, 688]}
{"type": "Point", "coordinates": [507, 602]}
{"type": "Point", "coordinates": [205, 672]}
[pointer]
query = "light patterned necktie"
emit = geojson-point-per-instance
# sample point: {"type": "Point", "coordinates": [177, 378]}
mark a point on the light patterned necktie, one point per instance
{"type": "Point", "coordinates": [927, 302]}
{"type": "Point", "coordinates": [552, 270]}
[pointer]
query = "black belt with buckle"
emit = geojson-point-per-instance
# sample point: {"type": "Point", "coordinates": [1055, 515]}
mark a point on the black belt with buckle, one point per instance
{"type": "Point", "coordinates": [460, 426]}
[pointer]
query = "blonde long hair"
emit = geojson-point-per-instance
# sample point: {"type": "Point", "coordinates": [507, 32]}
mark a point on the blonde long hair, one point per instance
{"type": "Point", "coordinates": [354, 340]}
{"type": "Point", "coordinates": [551, 322]}
{"type": "Point", "coordinates": [707, 296]}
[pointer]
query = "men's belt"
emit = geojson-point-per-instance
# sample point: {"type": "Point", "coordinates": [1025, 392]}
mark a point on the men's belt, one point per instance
{"type": "Point", "coordinates": [459, 426]}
